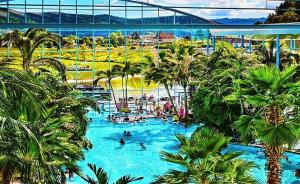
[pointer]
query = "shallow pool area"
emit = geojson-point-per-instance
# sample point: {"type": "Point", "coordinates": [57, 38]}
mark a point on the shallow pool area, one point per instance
{"type": "Point", "coordinates": [157, 136]}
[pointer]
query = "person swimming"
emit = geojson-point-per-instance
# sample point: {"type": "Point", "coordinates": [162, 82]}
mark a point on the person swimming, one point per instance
{"type": "Point", "coordinates": [143, 145]}
{"type": "Point", "coordinates": [297, 173]}
{"type": "Point", "coordinates": [122, 141]}
{"type": "Point", "coordinates": [91, 119]}
{"type": "Point", "coordinates": [127, 133]}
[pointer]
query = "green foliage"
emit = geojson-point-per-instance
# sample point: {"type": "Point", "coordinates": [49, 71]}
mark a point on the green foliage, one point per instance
{"type": "Point", "coordinates": [43, 127]}
{"type": "Point", "coordinates": [102, 177]}
{"type": "Point", "coordinates": [28, 42]}
{"type": "Point", "coordinates": [268, 57]}
{"type": "Point", "coordinates": [215, 79]}
{"type": "Point", "coordinates": [264, 88]}
{"type": "Point", "coordinates": [271, 101]}
{"type": "Point", "coordinates": [202, 161]}
{"type": "Point", "coordinates": [287, 11]}
{"type": "Point", "coordinates": [117, 39]}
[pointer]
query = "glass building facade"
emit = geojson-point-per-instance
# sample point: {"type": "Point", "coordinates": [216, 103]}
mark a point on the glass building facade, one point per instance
{"type": "Point", "coordinates": [98, 34]}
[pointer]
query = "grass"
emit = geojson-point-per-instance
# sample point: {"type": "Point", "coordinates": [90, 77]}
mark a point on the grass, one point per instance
{"type": "Point", "coordinates": [85, 58]}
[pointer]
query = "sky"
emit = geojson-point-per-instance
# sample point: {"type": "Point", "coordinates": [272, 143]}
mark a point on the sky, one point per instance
{"type": "Point", "coordinates": [205, 13]}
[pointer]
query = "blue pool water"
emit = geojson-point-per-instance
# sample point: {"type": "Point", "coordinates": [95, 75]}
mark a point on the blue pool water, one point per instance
{"type": "Point", "coordinates": [157, 136]}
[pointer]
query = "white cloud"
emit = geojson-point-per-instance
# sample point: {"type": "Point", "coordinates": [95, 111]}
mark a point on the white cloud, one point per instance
{"type": "Point", "coordinates": [214, 13]}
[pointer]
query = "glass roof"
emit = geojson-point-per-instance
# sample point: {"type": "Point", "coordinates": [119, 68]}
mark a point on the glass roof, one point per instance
{"type": "Point", "coordinates": [143, 14]}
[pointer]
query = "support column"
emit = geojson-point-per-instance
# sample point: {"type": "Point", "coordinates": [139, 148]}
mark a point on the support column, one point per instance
{"type": "Point", "coordinates": [277, 51]}
{"type": "Point", "coordinates": [294, 46]}
{"type": "Point", "coordinates": [291, 46]}
{"type": "Point", "coordinates": [207, 43]}
{"type": "Point", "coordinates": [236, 42]}
{"type": "Point", "coordinates": [250, 45]}
{"type": "Point", "coordinates": [214, 43]}
{"type": "Point", "coordinates": [243, 41]}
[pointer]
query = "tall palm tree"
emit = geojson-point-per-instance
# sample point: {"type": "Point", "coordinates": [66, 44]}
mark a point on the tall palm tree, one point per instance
{"type": "Point", "coordinates": [162, 73]}
{"type": "Point", "coordinates": [272, 95]}
{"type": "Point", "coordinates": [102, 177]}
{"type": "Point", "coordinates": [132, 69]}
{"type": "Point", "coordinates": [202, 161]}
{"type": "Point", "coordinates": [27, 43]}
{"type": "Point", "coordinates": [185, 58]}
{"type": "Point", "coordinates": [128, 69]}
{"type": "Point", "coordinates": [109, 75]}
{"type": "Point", "coordinates": [269, 56]}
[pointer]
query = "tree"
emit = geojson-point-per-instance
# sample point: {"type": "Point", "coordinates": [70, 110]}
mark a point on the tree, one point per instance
{"type": "Point", "coordinates": [100, 41]}
{"type": "Point", "coordinates": [214, 80]}
{"type": "Point", "coordinates": [87, 41]}
{"type": "Point", "coordinates": [102, 177]}
{"type": "Point", "coordinates": [69, 41]}
{"type": "Point", "coordinates": [109, 75]}
{"type": "Point", "coordinates": [128, 69]}
{"type": "Point", "coordinates": [29, 41]}
{"type": "Point", "coordinates": [162, 73]}
{"type": "Point", "coordinates": [117, 39]}
{"type": "Point", "coordinates": [287, 11]}
{"type": "Point", "coordinates": [268, 56]}
{"type": "Point", "coordinates": [202, 161]}
{"type": "Point", "coordinates": [270, 97]}
{"type": "Point", "coordinates": [131, 69]}
{"type": "Point", "coordinates": [38, 132]}
{"type": "Point", "coordinates": [186, 60]}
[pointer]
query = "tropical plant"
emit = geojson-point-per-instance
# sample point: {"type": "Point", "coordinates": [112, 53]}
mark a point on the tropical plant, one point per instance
{"type": "Point", "coordinates": [268, 56]}
{"type": "Point", "coordinates": [203, 160]}
{"type": "Point", "coordinates": [271, 99]}
{"type": "Point", "coordinates": [127, 69]}
{"type": "Point", "coordinates": [69, 41]}
{"type": "Point", "coordinates": [162, 73]}
{"type": "Point", "coordinates": [102, 177]}
{"type": "Point", "coordinates": [287, 11]}
{"type": "Point", "coordinates": [109, 75]}
{"type": "Point", "coordinates": [131, 69]}
{"type": "Point", "coordinates": [39, 136]}
{"type": "Point", "coordinates": [214, 80]}
{"type": "Point", "coordinates": [28, 42]}
{"type": "Point", "coordinates": [185, 60]}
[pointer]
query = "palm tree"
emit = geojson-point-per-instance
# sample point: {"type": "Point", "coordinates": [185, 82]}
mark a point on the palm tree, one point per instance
{"type": "Point", "coordinates": [37, 132]}
{"type": "Point", "coordinates": [29, 41]}
{"type": "Point", "coordinates": [186, 59]}
{"type": "Point", "coordinates": [271, 96]}
{"type": "Point", "coordinates": [202, 161]}
{"type": "Point", "coordinates": [102, 178]}
{"type": "Point", "coordinates": [269, 57]}
{"type": "Point", "coordinates": [215, 79]}
{"type": "Point", "coordinates": [163, 74]}
{"type": "Point", "coordinates": [183, 77]}
{"type": "Point", "coordinates": [109, 75]}
{"type": "Point", "coordinates": [126, 70]}
{"type": "Point", "coordinates": [132, 69]}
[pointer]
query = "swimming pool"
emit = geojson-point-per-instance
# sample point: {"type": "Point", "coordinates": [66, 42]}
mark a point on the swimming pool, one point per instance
{"type": "Point", "coordinates": [157, 136]}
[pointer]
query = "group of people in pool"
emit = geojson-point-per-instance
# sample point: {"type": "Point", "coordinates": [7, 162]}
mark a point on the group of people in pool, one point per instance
{"type": "Point", "coordinates": [126, 119]}
{"type": "Point", "coordinates": [128, 134]}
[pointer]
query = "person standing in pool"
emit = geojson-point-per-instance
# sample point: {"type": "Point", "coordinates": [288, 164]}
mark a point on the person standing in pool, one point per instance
{"type": "Point", "coordinates": [122, 141]}
{"type": "Point", "coordinates": [143, 145]}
